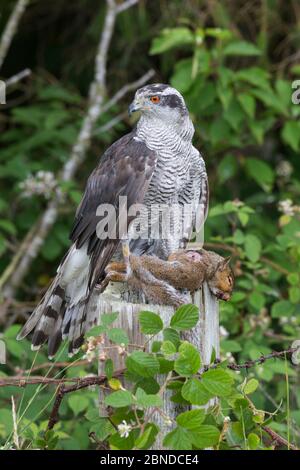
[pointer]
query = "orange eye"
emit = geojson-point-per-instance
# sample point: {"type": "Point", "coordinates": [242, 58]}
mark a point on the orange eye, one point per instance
{"type": "Point", "coordinates": [155, 99]}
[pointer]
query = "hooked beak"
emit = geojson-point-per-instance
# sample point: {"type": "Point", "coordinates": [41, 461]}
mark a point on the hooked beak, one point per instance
{"type": "Point", "coordinates": [134, 107]}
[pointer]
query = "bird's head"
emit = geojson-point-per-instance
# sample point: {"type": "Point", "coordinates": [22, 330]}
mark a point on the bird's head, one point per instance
{"type": "Point", "coordinates": [159, 101]}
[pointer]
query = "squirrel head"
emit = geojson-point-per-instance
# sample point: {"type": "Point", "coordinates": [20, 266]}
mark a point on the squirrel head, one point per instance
{"type": "Point", "coordinates": [222, 281]}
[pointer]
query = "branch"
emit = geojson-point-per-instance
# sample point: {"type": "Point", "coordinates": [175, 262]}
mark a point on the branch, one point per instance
{"type": "Point", "coordinates": [110, 124]}
{"type": "Point", "coordinates": [83, 383]}
{"type": "Point", "coordinates": [254, 362]}
{"type": "Point", "coordinates": [279, 439]}
{"type": "Point", "coordinates": [129, 87]}
{"type": "Point", "coordinates": [18, 77]}
{"type": "Point", "coordinates": [11, 28]}
{"type": "Point", "coordinates": [262, 359]}
{"type": "Point", "coordinates": [33, 242]}
{"type": "Point", "coordinates": [125, 5]}
{"type": "Point", "coordinates": [23, 381]}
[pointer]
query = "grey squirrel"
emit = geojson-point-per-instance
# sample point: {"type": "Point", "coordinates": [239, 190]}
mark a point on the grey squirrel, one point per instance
{"type": "Point", "coordinates": [166, 282]}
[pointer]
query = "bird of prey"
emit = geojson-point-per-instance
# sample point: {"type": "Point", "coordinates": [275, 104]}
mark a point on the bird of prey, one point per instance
{"type": "Point", "coordinates": [155, 164]}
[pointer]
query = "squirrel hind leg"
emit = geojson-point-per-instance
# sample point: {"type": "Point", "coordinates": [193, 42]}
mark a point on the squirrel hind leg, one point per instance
{"type": "Point", "coordinates": [163, 293]}
{"type": "Point", "coordinates": [112, 276]}
{"type": "Point", "coordinates": [117, 267]}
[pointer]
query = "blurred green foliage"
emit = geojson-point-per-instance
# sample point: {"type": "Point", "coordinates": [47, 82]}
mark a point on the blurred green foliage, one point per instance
{"type": "Point", "coordinates": [234, 62]}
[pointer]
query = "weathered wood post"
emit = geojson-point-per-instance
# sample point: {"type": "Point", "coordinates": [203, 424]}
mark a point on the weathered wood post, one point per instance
{"type": "Point", "coordinates": [205, 336]}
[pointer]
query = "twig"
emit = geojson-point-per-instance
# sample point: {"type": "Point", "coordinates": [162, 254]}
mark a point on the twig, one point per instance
{"type": "Point", "coordinates": [262, 359]}
{"type": "Point", "coordinates": [110, 124]}
{"type": "Point", "coordinates": [23, 381]}
{"type": "Point", "coordinates": [18, 77]}
{"type": "Point", "coordinates": [11, 28]}
{"type": "Point", "coordinates": [251, 363]}
{"type": "Point", "coordinates": [83, 362]}
{"type": "Point", "coordinates": [83, 383]}
{"type": "Point", "coordinates": [125, 5]}
{"type": "Point", "coordinates": [279, 439]}
{"type": "Point", "coordinates": [127, 88]}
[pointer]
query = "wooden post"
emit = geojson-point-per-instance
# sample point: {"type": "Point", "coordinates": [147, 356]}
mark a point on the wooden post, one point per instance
{"type": "Point", "coordinates": [205, 336]}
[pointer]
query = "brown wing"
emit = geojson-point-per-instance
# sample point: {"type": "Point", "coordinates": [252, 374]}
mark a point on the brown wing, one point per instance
{"type": "Point", "coordinates": [125, 169]}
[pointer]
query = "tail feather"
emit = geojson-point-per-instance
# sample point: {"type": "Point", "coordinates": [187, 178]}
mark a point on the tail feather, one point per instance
{"type": "Point", "coordinates": [50, 319]}
{"type": "Point", "coordinates": [55, 338]}
{"type": "Point", "coordinates": [62, 312]}
{"type": "Point", "coordinates": [75, 336]}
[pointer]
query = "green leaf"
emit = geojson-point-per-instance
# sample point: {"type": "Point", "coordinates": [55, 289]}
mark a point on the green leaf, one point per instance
{"type": "Point", "coordinates": [168, 348]}
{"type": "Point", "coordinates": [250, 386]}
{"type": "Point", "coordinates": [169, 38]}
{"type": "Point", "coordinates": [149, 385]}
{"type": "Point", "coordinates": [282, 308]}
{"type": "Point", "coordinates": [253, 441]}
{"type": "Point", "coordinates": [185, 318]}
{"type": "Point", "coordinates": [291, 134]}
{"type": "Point", "coordinates": [151, 323]}
{"type": "Point", "coordinates": [261, 172]}
{"type": "Point", "coordinates": [96, 331]}
{"type": "Point", "coordinates": [109, 368]}
{"type": "Point", "coordinates": [147, 438]}
{"type": "Point", "coordinates": [165, 365]}
{"type": "Point", "coordinates": [230, 346]}
{"type": "Point", "coordinates": [234, 114]}
{"type": "Point", "coordinates": [243, 217]}
{"type": "Point", "coordinates": [248, 104]}
{"type": "Point", "coordinates": [252, 247]}
{"type": "Point", "coordinates": [108, 318]}
{"type": "Point", "coordinates": [195, 392]}
{"type": "Point", "coordinates": [270, 100]}
{"type": "Point", "coordinates": [256, 76]}
{"type": "Point", "coordinates": [178, 439]}
{"type": "Point", "coordinates": [121, 443]}
{"type": "Point", "coordinates": [118, 336]}
{"type": "Point", "coordinates": [102, 427]}
{"type": "Point", "coordinates": [78, 403]}
{"type": "Point", "coordinates": [191, 419]}
{"type": "Point", "coordinates": [182, 77]}
{"type": "Point", "coordinates": [145, 400]}
{"type": "Point", "coordinates": [293, 279]}
{"type": "Point", "coordinates": [294, 294]}
{"type": "Point", "coordinates": [257, 300]}
{"type": "Point", "coordinates": [8, 227]}
{"type": "Point", "coordinates": [119, 399]}
{"type": "Point", "coordinates": [156, 345]}
{"type": "Point", "coordinates": [205, 436]}
{"type": "Point", "coordinates": [242, 48]}
{"type": "Point", "coordinates": [172, 335]}
{"type": "Point", "coordinates": [188, 362]}
{"type": "Point", "coordinates": [143, 364]}
{"type": "Point", "coordinates": [227, 168]}
{"type": "Point", "coordinates": [219, 131]}
{"type": "Point", "coordinates": [217, 382]}
{"type": "Point", "coordinates": [238, 237]}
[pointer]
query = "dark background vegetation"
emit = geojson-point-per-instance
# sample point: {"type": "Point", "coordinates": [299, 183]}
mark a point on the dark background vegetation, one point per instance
{"type": "Point", "coordinates": [234, 62]}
